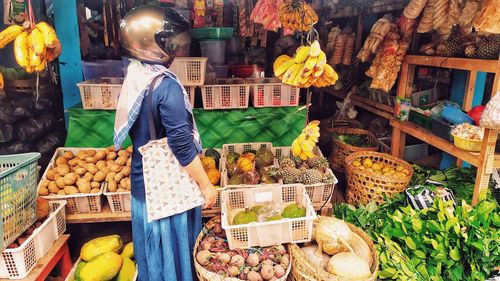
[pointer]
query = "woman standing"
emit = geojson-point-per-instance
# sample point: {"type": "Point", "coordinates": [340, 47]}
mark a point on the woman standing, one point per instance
{"type": "Point", "coordinates": [152, 35]}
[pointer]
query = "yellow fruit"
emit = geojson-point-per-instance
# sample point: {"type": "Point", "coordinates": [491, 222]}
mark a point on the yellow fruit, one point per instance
{"type": "Point", "coordinates": [97, 246]}
{"type": "Point", "coordinates": [296, 150]}
{"type": "Point", "coordinates": [284, 67]}
{"type": "Point", "coordinates": [41, 66]}
{"type": "Point", "coordinates": [370, 170]}
{"type": "Point", "coordinates": [298, 78]}
{"type": "Point", "coordinates": [307, 73]}
{"type": "Point", "coordinates": [321, 59]}
{"type": "Point", "coordinates": [279, 61]}
{"type": "Point", "coordinates": [128, 251]}
{"type": "Point", "coordinates": [309, 154]}
{"type": "Point", "coordinates": [376, 167]}
{"type": "Point", "coordinates": [356, 163]}
{"type": "Point", "coordinates": [367, 162]}
{"type": "Point", "coordinates": [21, 49]}
{"type": "Point", "coordinates": [35, 60]}
{"type": "Point", "coordinates": [406, 172]}
{"type": "Point", "coordinates": [1, 81]}
{"type": "Point", "coordinates": [399, 168]}
{"type": "Point", "coordinates": [302, 54]}
{"type": "Point", "coordinates": [330, 73]}
{"type": "Point", "coordinates": [303, 156]}
{"type": "Point", "coordinates": [310, 63]}
{"type": "Point", "coordinates": [386, 169]}
{"type": "Point", "coordinates": [127, 272]}
{"type": "Point", "coordinates": [318, 71]}
{"type": "Point", "coordinates": [103, 267]}
{"type": "Point", "coordinates": [9, 34]}
{"type": "Point", "coordinates": [292, 73]}
{"type": "Point", "coordinates": [361, 168]}
{"type": "Point", "coordinates": [49, 34]}
{"type": "Point", "coordinates": [315, 49]}
{"type": "Point", "coordinates": [306, 146]}
{"type": "Point", "coordinates": [36, 42]}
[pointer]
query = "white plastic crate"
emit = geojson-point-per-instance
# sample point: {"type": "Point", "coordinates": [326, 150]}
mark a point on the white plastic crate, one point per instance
{"type": "Point", "coordinates": [118, 201]}
{"type": "Point", "coordinates": [226, 94]}
{"type": "Point", "coordinates": [191, 92]}
{"type": "Point", "coordinates": [71, 274]}
{"type": "Point", "coordinates": [18, 176]}
{"type": "Point", "coordinates": [18, 262]}
{"type": "Point", "coordinates": [217, 201]}
{"type": "Point", "coordinates": [189, 70]}
{"type": "Point", "coordinates": [100, 93]}
{"type": "Point", "coordinates": [77, 203]}
{"type": "Point", "coordinates": [270, 92]}
{"type": "Point", "coordinates": [320, 192]}
{"type": "Point", "coordinates": [263, 234]}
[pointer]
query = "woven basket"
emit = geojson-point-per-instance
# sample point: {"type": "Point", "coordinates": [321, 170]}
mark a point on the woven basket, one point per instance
{"type": "Point", "coordinates": [341, 150]}
{"type": "Point", "coordinates": [206, 275]}
{"type": "Point", "coordinates": [304, 270]}
{"type": "Point", "coordinates": [365, 186]}
{"type": "Point", "coordinates": [27, 86]}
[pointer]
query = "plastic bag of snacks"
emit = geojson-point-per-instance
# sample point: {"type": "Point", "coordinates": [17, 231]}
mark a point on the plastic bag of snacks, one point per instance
{"type": "Point", "coordinates": [491, 114]}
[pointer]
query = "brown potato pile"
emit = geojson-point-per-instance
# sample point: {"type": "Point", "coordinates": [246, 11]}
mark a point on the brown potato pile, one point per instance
{"type": "Point", "coordinates": [86, 171]}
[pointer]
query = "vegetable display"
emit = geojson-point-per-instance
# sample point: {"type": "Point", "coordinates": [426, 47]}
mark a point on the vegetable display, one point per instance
{"type": "Point", "coordinates": [354, 140]}
{"type": "Point", "coordinates": [250, 168]}
{"type": "Point", "coordinates": [366, 164]}
{"type": "Point", "coordinates": [268, 212]}
{"type": "Point", "coordinates": [468, 131]}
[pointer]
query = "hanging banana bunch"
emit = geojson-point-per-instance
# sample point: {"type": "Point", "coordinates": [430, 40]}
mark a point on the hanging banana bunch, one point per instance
{"type": "Point", "coordinates": [307, 68]}
{"type": "Point", "coordinates": [297, 15]}
{"type": "Point", "coordinates": [303, 146]}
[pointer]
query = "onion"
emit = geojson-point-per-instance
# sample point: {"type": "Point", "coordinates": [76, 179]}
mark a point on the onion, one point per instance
{"type": "Point", "coordinates": [311, 253]}
{"type": "Point", "coordinates": [224, 258]}
{"type": "Point", "coordinates": [281, 249]}
{"type": "Point", "coordinates": [268, 262]}
{"type": "Point", "coordinates": [267, 271]}
{"type": "Point", "coordinates": [210, 239]}
{"type": "Point", "coordinates": [332, 235]}
{"type": "Point", "coordinates": [237, 261]}
{"type": "Point", "coordinates": [205, 245]}
{"type": "Point", "coordinates": [203, 257]}
{"type": "Point", "coordinates": [279, 271]}
{"type": "Point", "coordinates": [233, 271]}
{"type": "Point", "coordinates": [285, 261]}
{"type": "Point", "coordinates": [253, 260]}
{"type": "Point", "coordinates": [254, 276]}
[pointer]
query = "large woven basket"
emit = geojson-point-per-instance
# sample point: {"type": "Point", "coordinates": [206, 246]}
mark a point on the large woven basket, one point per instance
{"type": "Point", "coordinates": [341, 150]}
{"type": "Point", "coordinates": [206, 275]}
{"type": "Point", "coordinates": [364, 186]}
{"type": "Point", "coordinates": [304, 270]}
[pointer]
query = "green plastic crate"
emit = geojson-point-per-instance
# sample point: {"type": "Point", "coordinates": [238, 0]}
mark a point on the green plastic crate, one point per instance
{"type": "Point", "coordinates": [212, 33]}
{"type": "Point", "coordinates": [18, 183]}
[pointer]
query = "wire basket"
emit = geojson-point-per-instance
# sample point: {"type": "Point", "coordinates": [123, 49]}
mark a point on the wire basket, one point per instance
{"type": "Point", "coordinates": [190, 71]}
{"type": "Point", "coordinates": [77, 203]}
{"type": "Point", "coordinates": [226, 94]}
{"type": "Point", "coordinates": [365, 186]}
{"type": "Point", "coordinates": [18, 176]}
{"type": "Point", "coordinates": [341, 150]}
{"type": "Point", "coordinates": [100, 93]}
{"type": "Point", "coordinates": [270, 92]}
{"type": "Point", "coordinates": [17, 263]}
{"type": "Point", "coordinates": [263, 234]}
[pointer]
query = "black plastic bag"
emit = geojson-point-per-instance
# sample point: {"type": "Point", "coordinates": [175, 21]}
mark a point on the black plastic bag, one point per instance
{"type": "Point", "coordinates": [47, 121]}
{"type": "Point", "coordinates": [7, 112]}
{"type": "Point", "coordinates": [17, 147]}
{"type": "Point", "coordinates": [42, 105]}
{"type": "Point", "coordinates": [29, 130]}
{"type": "Point", "coordinates": [6, 132]}
{"type": "Point", "coordinates": [49, 143]}
{"type": "Point", "coordinates": [24, 107]}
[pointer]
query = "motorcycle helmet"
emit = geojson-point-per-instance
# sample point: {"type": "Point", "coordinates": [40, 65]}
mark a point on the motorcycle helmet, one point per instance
{"type": "Point", "coordinates": [154, 34]}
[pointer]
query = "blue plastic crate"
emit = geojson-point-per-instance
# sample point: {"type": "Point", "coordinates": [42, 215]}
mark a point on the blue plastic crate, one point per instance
{"type": "Point", "coordinates": [18, 184]}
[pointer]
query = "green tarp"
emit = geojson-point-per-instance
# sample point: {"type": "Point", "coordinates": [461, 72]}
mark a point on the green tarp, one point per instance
{"type": "Point", "coordinates": [94, 128]}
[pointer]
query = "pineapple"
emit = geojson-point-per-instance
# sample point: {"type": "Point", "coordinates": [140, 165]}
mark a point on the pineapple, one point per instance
{"type": "Point", "coordinates": [287, 163]}
{"type": "Point", "coordinates": [312, 176]}
{"type": "Point", "coordinates": [451, 46]}
{"type": "Point", "coordinates": [288, 175]}
{"type": "Point", "coordinates": [488, 47]}
{"type": "Point", "coordinates": [470, 51]}
{"type": "Point", "coordinates": [318, 163]}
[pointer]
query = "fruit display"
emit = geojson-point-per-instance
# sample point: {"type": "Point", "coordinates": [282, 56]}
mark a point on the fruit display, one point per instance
{"type": "Point", "coordinates": [297, 15]}
{"type": "Point", "coordinates": [307, 68]}
{"type": "Point", "coordinates": [100, 259]}
{"type": "Point", "coordinates": [34, 46]}
{"type": "Point", "coordinates": [268, 212]}
{"type": "Point", "coordinates": [86, 171]}
{"type": "Point", "coordinates": [214, 255]}
{"type": "Point", "coordinates": [308, 172]}
{"type": "Point", "coordinates": [210, 162]}
{"type": "Point", "coordinates": [250, 168]}
{"type": "Point", "coordinates": [374, 40]}
{"type": "Point", "coordinates": [381, 169]}
{"type": "Point", "coordinates": [303, 146]}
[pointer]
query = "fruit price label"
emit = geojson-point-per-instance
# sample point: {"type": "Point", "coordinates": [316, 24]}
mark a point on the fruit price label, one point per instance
{"type": "Point", "coordinates": [263, 197]}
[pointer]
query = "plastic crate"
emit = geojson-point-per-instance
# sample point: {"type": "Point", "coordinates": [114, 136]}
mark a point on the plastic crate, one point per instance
{"type": "Point", "coordinates": [319, 192]}
{"type": "Point", "coordinates": [420, 119]}
{"type": "Point", "coordinates": [442, 128]}
{"type": "Point", "coordinates": [18, 262]}
{"type": "Point", "coordinates": [263, 234]}
{"type": "Point", "coordinates": [226, 94]}
{"type": "Point", "coordinates": [212, 32]}
{"type": "Point", "coordinates": [71, 274]}
{"type": "Point", "coordinates": [118, 201]}
{"type": "Point", "coordinates": [270, 92]}
{"type": "Point", "coordinates": [100, 93]}
{"type": "Point", "coordinates": [191, 92]}
{"type": "Point", "coordinates": [190, 71]}
{"type": "Point", "coordinates": [77, 203]}
{"type": "Point", "coordinates": [18, 180]}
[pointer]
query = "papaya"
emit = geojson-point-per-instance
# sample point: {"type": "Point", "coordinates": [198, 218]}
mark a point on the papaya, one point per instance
{"type": "Point", "coordinates": [103, 267]}
{"type": "Point", "coordinates": [78, 270]}
{"type": "Point", "coordinates": [127, 272]}
{"type": "Point", "coordinates": [97, 246]}
{"type": "Point", "coordinates": [128, 251]}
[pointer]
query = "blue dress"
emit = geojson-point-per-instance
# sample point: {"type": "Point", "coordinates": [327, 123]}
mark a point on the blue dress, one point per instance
{"type": "Point", "coordinates": [163, 248]}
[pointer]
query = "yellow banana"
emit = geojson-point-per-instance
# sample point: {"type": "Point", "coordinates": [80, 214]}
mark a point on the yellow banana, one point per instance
{"type": "Point", "coordinates": [33, 58]}
{"type": "Point", "coordinates": [302, 54]}
{"type": "Point", "coordinates": [313, 124]}
{"type": "Point", "coordinates": [21, 47]}
{"type": "Point", "coordinates": [36, 42]}
{"type": "Point", "coordinates": [296, 150]}
{"type": "Point", "coordinates": [307, 73]}
{"type": "Point", "coordinates": [41, 67]}
{"type": "Point", "coordinates": [321, 59]}
{"type": "Point", "coordinates": [298, 77]}
{"type": "Point", "coordinates": [49, 34]}
{"type": "Point", "coordinates": [291, 73]}
{"type": "Point", "coordinates": [9, 34]}
{"type": "Point", "coordinates": [329, 72]}
{"type": "Point", "coordinates": [309, 154]}
{"type": "Point", "coordinates": [311, 62]}
{"type": "Point", "coordinates": [1, 81]}
{"type": "Point", "coordinates": [303, 156]}
{"type": "Point", "coordinates": [315, 49]}
{"type": "Point", "coordinates": [306, 146]}
{"type": "Point", "coordinates": [30, 69]}
{"type": "Point", "coordinates": [318, 71]}
{"type": "Point", "coordinates": [284, 67]}
{"type": "Point", "coordinates": [279, 61]}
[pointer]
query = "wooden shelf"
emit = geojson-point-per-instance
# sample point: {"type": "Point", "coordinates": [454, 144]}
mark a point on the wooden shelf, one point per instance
{"type": "Point", "coordinates": [455, 63]}
{"type": "Point", "coordinates": [374, 107]}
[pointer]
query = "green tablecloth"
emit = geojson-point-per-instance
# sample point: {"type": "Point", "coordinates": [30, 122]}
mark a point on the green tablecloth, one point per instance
{"type": "Point", "coordinates": [94, 128]}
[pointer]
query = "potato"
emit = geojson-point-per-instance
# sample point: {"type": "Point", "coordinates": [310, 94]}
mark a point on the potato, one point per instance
{"type": "Point", "coordinates": [53, 188]}
{"type": "Point", "coordinates": [110, 176]}
{"type": "Point", "coordinates": [126, 171]}
{"type": "Point", "coordinates": [88, 176]}
{"type": "Point", "coordinates": [68, 155]}
{"type": "Point", "coordinates": [44, 183]}
{"type": "Point", "coordinates": [60, 183]}
{"type": "Point", "coordinates": [61, 161]}
{"type": "Point", "coordinates": [82, 154]}
{"type": "Point", "coordinates": [43, 191]}
{"type": "Point", "coordinates": [125, 183]}
{"type": "Point", "coordinates": [120, 190]}
{"type": "Point", "coordinates": [92, 168]}
{"type": "Point", "coordinates": [99, 176]}
{"type": "Point", "coordinates": [100, 164]}
{"type": "Point", "coordinates": [110, 163]}
{"type": "Point", "coordinates": [110, 148]}
{"type": "Point", "coordinates": [123, 153]}
{"type": "Point", "coordinates": [70, 190]}
{"type": "Point", "coordinates": [70, 179]}
{"type": "Point", "coordinates": [61, 192]}
{"type": "Point", "coordinates": [81, 163]}
{"type": "Point", "coordinates": [100, 155]}
{"type": "Point", "coordinates": [118, 177]}
{"type": "Point", "coordinates": [83, 186]}
{"type": "Point", "coordinates": [80, 171]}
{"type": "Point", "coordinates": [129, 149]}
{"type": "Point", "coordinates": [121, 161]}
{"type": "Point", "coordinates": [111, 155]}
{"type": "Point", "coordinates": [95, 190]}
{"type": "Point", "coordinates": [105, 170]}
{"type": "Point", "coordinates": [91, 159]}
{"type": "Point", "coordinates": [95, 184]}
{"type": "Point", "coordinates": [129, 162]}
{"type": "Point", "coordinates": [57, 176]}
{"type": "Point", "coordinates": [115, 168]}
{"type": "Point", "coordinates": [73, 162]}
{"type": "Point", "coordinates": [62, 170]}
{"type": "Point", "coordinates": [91, 152]}
{"type": "Point", "coordinates": [50, 174]}
{"type": "Point", "coordinates": [112, 186]}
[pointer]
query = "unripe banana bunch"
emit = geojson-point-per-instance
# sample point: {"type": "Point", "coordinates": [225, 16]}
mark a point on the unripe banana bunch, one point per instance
{"type": "Point", "coordinates": [307, 68]}
{"type": "Point", "coordinates": [303, 146]}
{"type": "Point", "coordinates": [33, 47]}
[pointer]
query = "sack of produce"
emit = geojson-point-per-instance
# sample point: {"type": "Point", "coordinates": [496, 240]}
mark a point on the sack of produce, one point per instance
{"type": "Point", "coordinates": [422, 197]}
{"type": "Point", "coordinates": [490, 118]}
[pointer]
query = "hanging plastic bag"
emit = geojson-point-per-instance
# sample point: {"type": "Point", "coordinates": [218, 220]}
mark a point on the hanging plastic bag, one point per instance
{"type": "Point", "coordinates": [491, 114]}
{"type": "Point", "coordinates": [23, 107]}
{"type": "Point", "coordinates": [29, 130]}
{"type": "Point", "coordinates": [7, 112]}
{"type": "Point", "coordinates": [6, 132]}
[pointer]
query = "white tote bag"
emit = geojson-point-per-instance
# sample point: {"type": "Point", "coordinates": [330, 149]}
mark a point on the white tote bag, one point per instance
{"type": "Point", "coordinates": [169, 189]}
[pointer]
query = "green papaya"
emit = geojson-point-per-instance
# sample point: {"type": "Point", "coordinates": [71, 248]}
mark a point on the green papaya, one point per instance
{"type": "Point", "coordinates": [102, 268]}
{"type": "Point", "coordinates": [128, 251]}
{"type": "Point", "coordinates": [127, 272]}
{"type": "Point", "coordinates": [97, 246]}
{"type": "Point", "coordinates": [79, 267]}
{"type": "Point", "coordinates": [213, 153]}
